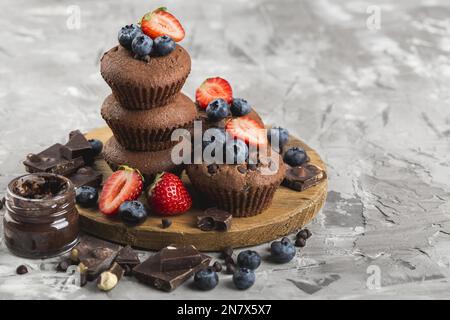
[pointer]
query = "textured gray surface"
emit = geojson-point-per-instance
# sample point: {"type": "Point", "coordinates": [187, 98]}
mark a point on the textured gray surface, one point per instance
{"type": "Point", "coordinates": [374, 104]}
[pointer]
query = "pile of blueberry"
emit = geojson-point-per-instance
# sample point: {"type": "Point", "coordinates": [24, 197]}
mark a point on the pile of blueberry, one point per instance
{"type": "Point", "coordinates": [219, 109]}
{"type": "Point", "coordinates": [243, 270]}
{"type": "Point", "coordinates": [132, 38]}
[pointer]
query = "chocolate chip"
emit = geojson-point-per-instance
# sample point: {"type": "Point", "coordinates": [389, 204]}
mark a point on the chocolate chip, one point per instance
{"type": "Point", "coordinates": [217, 266]}
{"type": "Point", "coordinates": [63, 265]}
{"type": "Point", "coordinates": [227, 252]}
{"type": "Point", "coordinates": [241, 169]}
{"type": "Point", "coordinates": [300, 242]}
{"type": "Point", "coordinates": [304, 234]}
{"type": "Point", "coordinates": [212, 168]}
{"type": "Point", "coordinates": [33, 157]}
{"type": "Point", "coordinates": [230, 268]}
{"type": "Point", "coordinates": [251, 166]}
{"type": "Point", "coordinates": [166, 223]}
{"type": "Point", "coordinates": [21, 269]}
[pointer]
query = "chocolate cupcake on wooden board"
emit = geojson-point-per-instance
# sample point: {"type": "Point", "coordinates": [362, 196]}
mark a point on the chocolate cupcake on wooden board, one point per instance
{"type": "Point", "coordinates": [245, 179]}
{"type": "Point", "coordinates": [148, 130]}
{"type": "Point", "coordinates": [147, 69]}
{"type": "Point", "coordinates": [149, 163]}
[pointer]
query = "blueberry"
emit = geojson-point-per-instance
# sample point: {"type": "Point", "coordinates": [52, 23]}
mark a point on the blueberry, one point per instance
{"type": "Point", "coordinates": [127, 34]}
{"type": "Point", "coordinates": [236, 151]}
{"type": "Point", "coordinates": [206, 279]}
{"type": "Point", "coordinates": [96, 145]}
{"type": "Point", "coordinates": [217, 110]}
{"type": "Point", "coordinates": [86, 196]}
{"type": "Point", "coordinates": [163, 45]}
{"type": "Point", "coordinates": [142, 45]}
{"type": "Point", "coordinates": [132, 212]}
{"type": "Point", "coordinates": [282, 251]}
{"type": "Point", "coordinates": [240, 107]}
{"type": "Point", "coordinates": [249, 259]}
{"type": "Point", "coordinates": [295, 156]}
{"type": "Point", "coordinates": [243, 278]}
{"type": "Point", "coordinates": [278, 134]}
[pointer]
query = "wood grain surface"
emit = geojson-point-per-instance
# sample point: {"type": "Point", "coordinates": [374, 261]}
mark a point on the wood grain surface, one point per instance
{"type": "Point", "coordinates": [290, 210]}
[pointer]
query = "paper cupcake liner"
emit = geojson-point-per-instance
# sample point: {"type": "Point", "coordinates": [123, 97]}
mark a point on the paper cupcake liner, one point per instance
{"type": "Point", "coordinates": [144, 98]}
{"type": "Point", "coordinates": [240, 204]}
{"type": "Point", "coordinates": [137, 139]}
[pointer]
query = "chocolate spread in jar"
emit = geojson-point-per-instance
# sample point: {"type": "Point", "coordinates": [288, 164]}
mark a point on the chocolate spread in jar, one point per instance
{"type": "Point", "coordinates": [41, 219]}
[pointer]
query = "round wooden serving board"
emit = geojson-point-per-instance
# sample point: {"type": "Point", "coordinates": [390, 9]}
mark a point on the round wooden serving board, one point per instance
{"type": "Point", "coordinates": [290, 211]}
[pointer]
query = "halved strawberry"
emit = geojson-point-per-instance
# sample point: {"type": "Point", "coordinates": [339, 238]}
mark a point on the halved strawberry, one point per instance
{"type": "Point", "coordinates": [211, 89]}
{"type": "Point", "coordinates": [160, 22]}
{"type": "Point", "coordinates": [123, 185]}
{"type": "Point", "coordinates": [247, 129]}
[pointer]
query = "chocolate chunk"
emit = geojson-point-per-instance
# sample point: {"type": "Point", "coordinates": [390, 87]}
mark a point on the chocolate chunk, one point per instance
{"type": "Point", "coordinates": [165, 223]}
{"type": "Point", "coordinates": [300, 242]}
{"type": "Point", "coordinates": [214, 219]}
{"type": "Point", "coordinates": [217, 266]}
{"type": "Point", "coordinates": [179, 257]}
{"type": "Point", "coordinates": [303, 177]}
{"type": "Point", "coordinates": [305, 234]}
{"type": "Point", "coordinates": [230, 268]}
{"type": "Point", "coordinates": [127, 259]}
{"type": "Point", "coordinates": [241, 169]}
{"type": "Point", "coordinates": [78, 146]}
{"type": "Point", "coordinates": [149, 273]}
{"type": "Point", "coordinates": [63, 265]}
{"type": "Point", "coordinates": [94, 255]}
{"type": "Point", "coordinates": [212, 168]}
{"type": "Point", "coordinates": [86, 176]}
{"type": "Point", "coordinates": [226, 252]}
{"type": "Point", "coordinates": [51, 160]}
{"type": "Point", "coordinates": [21, 269]}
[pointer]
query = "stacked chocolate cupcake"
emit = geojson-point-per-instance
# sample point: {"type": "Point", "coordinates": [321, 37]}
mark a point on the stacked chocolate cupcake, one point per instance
{"type": "Point", "coordinates": [145, 107]}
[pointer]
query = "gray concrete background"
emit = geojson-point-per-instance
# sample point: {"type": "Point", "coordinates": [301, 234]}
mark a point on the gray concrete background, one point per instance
{"type": "Point", "coordinates": [374, 104]}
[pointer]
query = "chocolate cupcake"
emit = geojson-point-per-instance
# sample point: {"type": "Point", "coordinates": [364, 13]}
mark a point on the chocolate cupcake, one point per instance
{"type": "Point", "coordinates": [242, 189]}
{"type": "Point", "coordinates": [148, 130]}
{"type": "Point", "coordinates": [149, 163]}
{"type": "Point", "coordinates": [141, 85]}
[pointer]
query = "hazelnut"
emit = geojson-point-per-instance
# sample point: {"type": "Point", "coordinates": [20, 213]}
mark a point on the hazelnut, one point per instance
{"type": "Point", "coordinates": [74, 255]}
{"type": "Point", "coordinates": [107, 281]}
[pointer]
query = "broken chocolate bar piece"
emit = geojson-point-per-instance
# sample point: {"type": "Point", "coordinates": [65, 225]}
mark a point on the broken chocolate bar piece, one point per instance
{"type": "Point", "coordinates": [179, 257]}
{"type": "Point", "coordinates": [149, 272]}
{"type": "Point", "coordinates": [127, 259]}
{"type": "Point", "coordinates": [86, 176]}
{"type": "Point", "coordinates": [78, 146]}
{"type": "Point", "coordinates": [94, 255]}
{"type": "Point", "coordinates": [303, 177]}
{"type": "Point", "coordinates": [214, 219]}
{"type": "Point", "coordinates": [51, 160]}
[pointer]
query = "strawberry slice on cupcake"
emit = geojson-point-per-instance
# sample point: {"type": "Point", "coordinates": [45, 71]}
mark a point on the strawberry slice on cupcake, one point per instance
{"type": "Point", "coordinates": [160, 22]}
{"type": "Point", "coordinates": [248, 130]}
{"type": "Point", "coordinates": [212, 89]}
{"type": "Point", "coordinates": [125, 184]}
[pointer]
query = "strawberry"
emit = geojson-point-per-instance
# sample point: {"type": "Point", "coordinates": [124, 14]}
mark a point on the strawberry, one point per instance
{"type": "Point", "coordinates": [247, 129]}
{"type": "Point", "coordinates": [211, 89]}
{"type": "Point", "coordinates": [160, 22]}
{"type": "Point", "coordinates": [123, 185]}
{"type": "Point", "coordinates": [167, 196]}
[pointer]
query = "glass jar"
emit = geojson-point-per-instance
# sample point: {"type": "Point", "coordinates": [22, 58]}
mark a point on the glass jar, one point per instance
{"type": "Point", "coordinates": [40, 227]}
